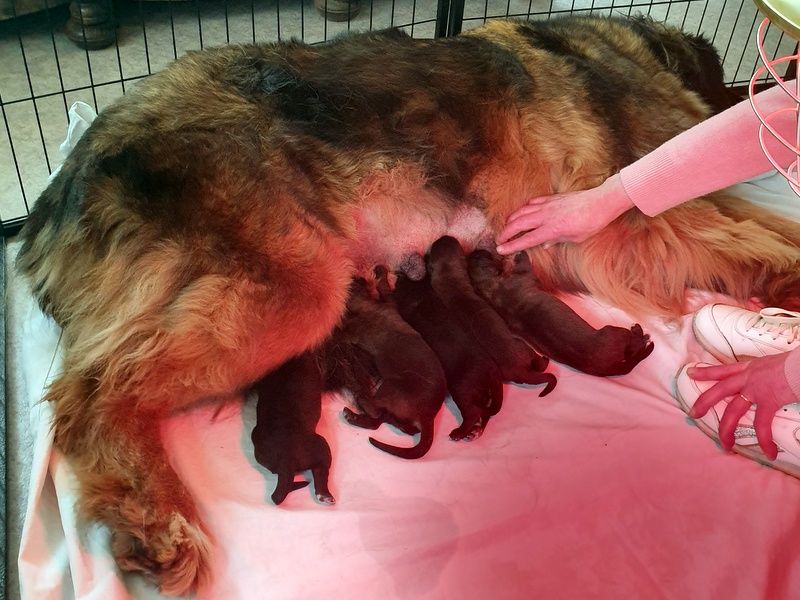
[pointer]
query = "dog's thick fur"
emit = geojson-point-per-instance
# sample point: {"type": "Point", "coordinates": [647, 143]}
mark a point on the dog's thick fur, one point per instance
{"type": "Point", "coordinates": [206, 227]}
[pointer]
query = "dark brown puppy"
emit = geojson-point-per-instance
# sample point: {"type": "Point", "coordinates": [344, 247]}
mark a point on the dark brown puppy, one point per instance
{"type": "Point", "coordinates": [411, 388]}
{"type": "Point", "coordinates": [518, 362]}
{"type": "Point", "coordinates": [473, 379]}
{"type": "Point", "coordinates": [552, 326]}
{"type": "Point", "coordinates": [284, 438]}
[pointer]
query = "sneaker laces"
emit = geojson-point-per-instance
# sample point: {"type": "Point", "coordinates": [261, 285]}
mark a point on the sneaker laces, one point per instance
{"type": "Point", "coordinates": [777, 322]}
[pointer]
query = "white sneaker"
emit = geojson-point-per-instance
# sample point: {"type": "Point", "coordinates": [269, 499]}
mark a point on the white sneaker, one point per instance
{"type": "Point", "coordinates": [732, 334]}
{"type": "Point", "coordinates": [785, 425]}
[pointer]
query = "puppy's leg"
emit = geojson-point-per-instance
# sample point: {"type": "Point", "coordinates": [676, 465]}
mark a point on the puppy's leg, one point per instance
{"type": "Point", "coordinates": [321, 469]}
{"type": "Point", "coordinates": [360, 419]}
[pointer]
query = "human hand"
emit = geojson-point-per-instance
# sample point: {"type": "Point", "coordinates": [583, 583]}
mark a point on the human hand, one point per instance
{"type": "Point", "coordinates": [567, 217]}
{"type": "Point", "coordinates": [759, 382]}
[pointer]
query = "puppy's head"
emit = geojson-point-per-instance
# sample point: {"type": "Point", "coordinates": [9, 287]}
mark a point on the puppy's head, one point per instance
{"type": "Point", "coordinates": [484, 265]}
{"type": "Point", "coordinates": [446, 248]}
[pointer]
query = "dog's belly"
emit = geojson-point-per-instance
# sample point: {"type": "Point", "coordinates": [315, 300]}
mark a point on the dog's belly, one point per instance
{"type": "Point", "coordinates": [399, 215]}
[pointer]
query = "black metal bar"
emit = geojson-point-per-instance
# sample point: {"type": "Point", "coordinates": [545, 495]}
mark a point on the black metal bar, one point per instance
{"type": "Point", "coordinates": [413, 15]}
{"type": "Point", "coordinates": [278, 17]}
{"type": "Point", "coordinates": [55, 54]}
{"type": "Point", "coordinates": [119, 65]}
{"type": "Point", "coordinates": [199, 23]}
{"type": "Point", "coordinates": [719, 21]}
{"type": "Point", "coordinates": [456, 18]}
{"type": "Point", "coordinates": [144, 36]}
{"type": "Point", "coordinates": [702, 18]}
{"type": "Point", "coordinates": [88, 63]}
{"type": "Point", "coordinates": [733, 31]}
{"type": "Point", "coordinates": [227, 27]}
{"type": "Point", "coordinates": [442, 14]}
{"type": "Point", "coordinates": [744, 50]}
{"type": "Point", "coordinates": [172, 27]}
{"type": "Point", "coordinates": [253, 19]}
{"type": "Point", "coordinates": [30, 87]}
{"type": "Point", "coordinates": [14, 154]}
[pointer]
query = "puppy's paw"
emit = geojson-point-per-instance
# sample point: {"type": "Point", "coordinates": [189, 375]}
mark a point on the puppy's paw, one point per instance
{"type": "Point", "coordinates": [325, 498]}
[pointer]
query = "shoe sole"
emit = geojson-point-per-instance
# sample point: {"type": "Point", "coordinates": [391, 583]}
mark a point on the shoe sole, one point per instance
{"type": "Point", "coordinates": [754, 455]}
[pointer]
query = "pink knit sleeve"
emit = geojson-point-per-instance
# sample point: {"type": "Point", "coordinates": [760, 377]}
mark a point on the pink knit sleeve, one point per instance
{"type": "Point", "coordinates": [791, 368]}
{"type": "Point", "coordinates": [714, 154]}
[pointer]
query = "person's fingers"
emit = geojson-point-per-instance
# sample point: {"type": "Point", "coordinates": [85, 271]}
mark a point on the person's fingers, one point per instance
{"type": "Point", "coordinates": [519, 225]}
{"type": "Point", "coordinates": [718, 392]}
{"type": "Point", "coordinates": [528, 240]}
{"type": "Point", "coordinates": [763, 425]}
{"type": "Point", "coordinates": [524, 210]}
{"type": "Point", "coordinates": [716, 372]}
{"type": "Point", "coordinates": [730, 419]}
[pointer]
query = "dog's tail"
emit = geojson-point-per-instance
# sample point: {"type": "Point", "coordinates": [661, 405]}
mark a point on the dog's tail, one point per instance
{"type": "Point", "coordinates": [418, 451]}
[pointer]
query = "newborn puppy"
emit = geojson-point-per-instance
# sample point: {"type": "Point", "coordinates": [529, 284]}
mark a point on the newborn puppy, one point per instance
{"type": "Point", "coordinates": [550, 325]}
{"type": "Point", "coordinates": [518, 362]}
{"type": "Point", "coordinates": [473, 378]}
{"type": "Point", "coordinates": [376, 343]}
{"type": "Point", "coordinates": [284, 438]}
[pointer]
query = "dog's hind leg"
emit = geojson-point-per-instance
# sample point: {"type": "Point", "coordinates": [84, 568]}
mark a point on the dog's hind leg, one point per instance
{"type": "Point", "coordinates": [214, 337]}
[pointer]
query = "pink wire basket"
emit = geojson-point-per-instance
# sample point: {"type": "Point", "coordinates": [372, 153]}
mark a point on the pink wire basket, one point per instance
{"type": "Point", "coordinates": [792, 173]}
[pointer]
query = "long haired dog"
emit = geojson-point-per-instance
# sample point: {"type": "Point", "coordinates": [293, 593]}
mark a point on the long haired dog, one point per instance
{"type": "Point", "coordinates": [205, 228]}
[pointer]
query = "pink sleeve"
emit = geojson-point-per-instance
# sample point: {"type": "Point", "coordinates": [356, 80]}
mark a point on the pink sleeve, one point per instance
{"type": "Point", "coordinates": [714, 154]}
{"type": "Point", "coordinates": [791, 368]}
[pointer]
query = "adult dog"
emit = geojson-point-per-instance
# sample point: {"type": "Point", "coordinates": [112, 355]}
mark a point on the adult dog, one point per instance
{"type": "Point", "coordinates": [206, 227]}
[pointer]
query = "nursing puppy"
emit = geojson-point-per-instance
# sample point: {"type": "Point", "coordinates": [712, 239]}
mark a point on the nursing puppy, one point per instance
{"type": "Point", "coordinates": [518, 362]}
{"type": "Point", "coordinates": [411, 385]}
{"type": "Point", "coordinates": [552, 326]}
{"type": "Point", "coordinates": [284, 438]}
{"type": "Point", "coordinates": [206, 227]}
{"type": "Point", "coordinates": [473, 379]}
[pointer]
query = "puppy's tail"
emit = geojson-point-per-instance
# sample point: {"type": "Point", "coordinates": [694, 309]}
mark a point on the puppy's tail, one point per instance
{"type": "Point", "coordinates": [418, 451]}
{"type": "Point", "coordinates": [550, 383]}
